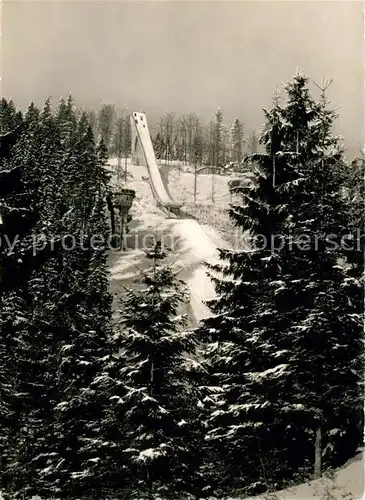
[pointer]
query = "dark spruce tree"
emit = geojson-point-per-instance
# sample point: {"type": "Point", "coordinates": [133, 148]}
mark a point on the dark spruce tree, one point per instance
{"type": "Point", "coordinates": [237, 346]}
{"type": "Point", "coordinates": [31, 344]}
{"type": "Point", "coordinates": [84, 313]}
{"type": "Point", "coordinates": [55, 318]}
{"type": "Point", "coordinates": [284, 342]}
{"type": "Point", "coordinates": [154, 402]}
{"type": "Point", "coordinates": [36, 343]}
{"type": "Point", "coordinates": [15, 221]}
{"type": "Point", "coordinates": [10, 118]}
{"type": "Point", "coordinates": [333, 294]}
{"type": "Point", "coordinates": [355, 194]}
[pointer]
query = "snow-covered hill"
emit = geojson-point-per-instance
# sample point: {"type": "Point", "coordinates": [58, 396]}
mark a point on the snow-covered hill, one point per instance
{"type": "Point", "coordinates": [191, 245]}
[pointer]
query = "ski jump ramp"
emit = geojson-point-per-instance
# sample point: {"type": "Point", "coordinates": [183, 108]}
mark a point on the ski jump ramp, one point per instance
{"type": "Point", "coordinates": [142, 145]}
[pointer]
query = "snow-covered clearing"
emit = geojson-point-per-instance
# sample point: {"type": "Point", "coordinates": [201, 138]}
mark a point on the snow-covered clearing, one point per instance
{"type": "Point", "coordinates": [211, 204]}
{"type": "Point", "coordinates": [181, 185]}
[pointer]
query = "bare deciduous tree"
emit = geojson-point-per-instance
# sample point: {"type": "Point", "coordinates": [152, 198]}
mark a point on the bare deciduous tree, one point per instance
{"type": "Point", "coordinates": [106, 120]}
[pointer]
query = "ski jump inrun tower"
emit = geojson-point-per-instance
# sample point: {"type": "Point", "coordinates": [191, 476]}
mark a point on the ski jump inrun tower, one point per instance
{"type": "Point", "coordinates": [142, 151]}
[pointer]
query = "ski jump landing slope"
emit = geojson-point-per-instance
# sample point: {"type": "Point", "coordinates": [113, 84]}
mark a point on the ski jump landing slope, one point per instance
{"type": "Point", "coordinates": [141, 137]}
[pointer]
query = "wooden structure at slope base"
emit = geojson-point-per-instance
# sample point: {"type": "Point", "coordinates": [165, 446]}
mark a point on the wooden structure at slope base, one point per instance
{"type": "Point", "coordinates": [122, 201]}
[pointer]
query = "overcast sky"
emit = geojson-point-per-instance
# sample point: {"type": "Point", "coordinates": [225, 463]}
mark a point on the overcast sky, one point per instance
{"type": "Point", "coordinates": [184, 56]}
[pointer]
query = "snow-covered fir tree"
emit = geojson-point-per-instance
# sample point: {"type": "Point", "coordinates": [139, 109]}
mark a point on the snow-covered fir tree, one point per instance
{"type": "Point", "coordinates": [155, 402]}
{"type": "Point", "coordinates": [10, 117]}
{"type": "Point", "coordinates": [218, 140]}
{"type": "Point", "coordinates": [355, 194]}
{"type": "Point", "coordinates": [33, 364]}
{"type": "Point", "coordinates": [253, 143]}
{"type": "Point", "coordinates": [158, 146]}
{"type": "Point", "coordinates": [121, 140]}
{"type": "Point", "coordinates": [236, 140]}
{"type": "Point", "coordinates": [84, 342]}
{"type": "Point", "coordinates": [284, 342]}
{"type": "Point", "coordinates": [106, 120]}
{"type": "Point", "coordinates": [16, 223]}
{"type": "Point", "coordinates": [328, 330]}
{"type": "Point", "coordinates": [61, 327]}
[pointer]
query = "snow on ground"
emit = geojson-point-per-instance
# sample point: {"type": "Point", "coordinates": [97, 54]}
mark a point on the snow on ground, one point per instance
{"type": "Point", "coordinates": [194, 248]}
{"type": "Point", "coordinates": [204, 210]}
{"type": "Point", "coordinates": [181, 186]}
{"type": "Point", "coordinates": [347, 483]}
{"type": "Point", "coordinates": [190, 243]}
{"type": "Point", "coordinates": [195, 244]}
